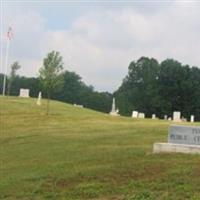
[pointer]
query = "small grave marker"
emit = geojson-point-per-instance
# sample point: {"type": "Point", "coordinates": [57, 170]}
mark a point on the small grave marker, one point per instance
{"type": "Point", "coordinates": [39, 99]}
{"type": "Point", "coordinates": [141, 115]}
{"type": "Point", "coordinates": [153, 116]}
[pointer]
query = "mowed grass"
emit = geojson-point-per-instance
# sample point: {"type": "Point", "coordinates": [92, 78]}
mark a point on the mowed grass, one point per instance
{"type": "Point", "coordinates": [76, 154]}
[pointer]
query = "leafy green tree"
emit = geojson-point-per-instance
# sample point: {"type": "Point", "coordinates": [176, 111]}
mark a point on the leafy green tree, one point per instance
{"type": "Point", "coordinates": [139, 88]}
{"type": "Point", "coordinates": [162, 88]}
{"type": "Point", "coordinates": [14, 67]}
{"type": "Point", "coordinates": [72, 85]}
{"type": "Point", "coordinates": [75, 91]}
{"type": "Point", "coordinates": [1, 81]}
{"type": "Point", "coordinates": [50, 74]}
{"type": "Point", "coordinates": [194, 95]}
{"type": "Point", "coordinates": [179, 88]}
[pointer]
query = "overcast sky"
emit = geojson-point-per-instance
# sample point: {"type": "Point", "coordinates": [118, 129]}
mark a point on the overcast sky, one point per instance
{"type": "Point", "coordinates": [99, 40]}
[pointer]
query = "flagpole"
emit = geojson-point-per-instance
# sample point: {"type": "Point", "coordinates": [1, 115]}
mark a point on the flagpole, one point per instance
{"type": "Point", "coordinates": [6, 66]}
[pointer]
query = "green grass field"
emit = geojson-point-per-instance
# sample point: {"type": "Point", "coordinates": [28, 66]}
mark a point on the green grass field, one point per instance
{"type": "Point", "coordinates": [78, 154]}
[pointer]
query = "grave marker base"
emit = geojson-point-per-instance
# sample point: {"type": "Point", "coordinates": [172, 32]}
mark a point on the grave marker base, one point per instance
{"type": "Point", "coordinates": [176, 148]}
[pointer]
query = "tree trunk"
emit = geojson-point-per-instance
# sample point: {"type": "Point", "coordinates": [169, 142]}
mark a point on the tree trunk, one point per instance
{"type": "Point", "coordinates": [48, 102]}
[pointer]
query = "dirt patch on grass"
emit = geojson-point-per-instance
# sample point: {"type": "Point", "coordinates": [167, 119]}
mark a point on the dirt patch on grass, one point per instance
{"type": "Point", "coordinates": [120, 197]}
{"type": "Point", "coordinates": [112, 177]}
{"type": "Point", "coordinates": [123, 176]}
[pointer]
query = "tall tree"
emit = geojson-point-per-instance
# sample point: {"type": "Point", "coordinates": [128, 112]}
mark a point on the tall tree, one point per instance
{"type": "Point", "coordinates": [50, 74]}
{"type": "Point", "coordinates": [139, 88]}
{"type": "Point", "coordinates": [14, 67]}
{"type": "Point", "coordinates": [162, 88]}
{"type": "Point", "coordinates": [179, 88]}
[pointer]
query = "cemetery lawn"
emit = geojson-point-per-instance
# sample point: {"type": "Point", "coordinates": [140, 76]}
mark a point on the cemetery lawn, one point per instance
{"type": "Point", "coordinates": [80, 154]}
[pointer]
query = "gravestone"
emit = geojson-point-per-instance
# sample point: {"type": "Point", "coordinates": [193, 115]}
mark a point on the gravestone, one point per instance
{"type": "Point", "coordinates": [192, 118]}
{"type": "Point", "coordinates": [169, 119]}
{"type": "Point", "coordinates": [24, 93]}
{"type": "Point", "coordinates": [135, 114]}
{"type": "Point", "coordinates": [39, 99]}
{"type": "Point", "coordinates": [177, 116]}
{"type": "Point", "coordinates": [181, 139]}
{"type": "Point", "coordinates": [141, 115]}
{"type": "Point", "coordinates": [153, 116]}
{"type": "Point", "coordinates": [183, 119]}
{"type": "Point", "coordinates": [165, 117]}
{"type": "Point", "coordinates": [114, 111]}
{"type": "Point", "coordinates": [77, 105]}
{"type": "Point", "coordinates": [184, 135]}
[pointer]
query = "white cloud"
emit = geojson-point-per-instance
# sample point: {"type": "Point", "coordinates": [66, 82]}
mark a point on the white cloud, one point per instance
{"type": "Point", "coordinates": [101, 43]}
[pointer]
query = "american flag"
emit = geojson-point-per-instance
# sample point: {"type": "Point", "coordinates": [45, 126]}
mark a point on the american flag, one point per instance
{"type": "Point", "coordinates": [10, 33]}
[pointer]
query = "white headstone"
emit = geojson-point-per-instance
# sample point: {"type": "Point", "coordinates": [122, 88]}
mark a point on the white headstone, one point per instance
{"type": "Point", "coordinates": [153, 116]}
{"type": "Point", "coordinates": [76, 105]}
{"type": "Point", "coordinates": [141, 115]}
{"type": "Point", "coordinates": [24, 93]}
{"type": "Point", "coordinates": [113, 106]}
{"type": "Point", "coordinates": [177, 116]}
{"type": "Point", "coordinates": [39, 99]}
{"type": "Point", "coordinates": [165, 117]}
{"type": "Point", "coordinates": [135, 114]}
{"type": "Point", "coordinates": [192, 118]}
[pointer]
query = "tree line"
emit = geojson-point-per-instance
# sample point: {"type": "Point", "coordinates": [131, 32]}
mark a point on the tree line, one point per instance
{"type": "Point", "coordinates": [160, 88]}
{"type": "Point", "coordinates": [73, 91]}
{"type": "Point", "coordinates": [150, 87]}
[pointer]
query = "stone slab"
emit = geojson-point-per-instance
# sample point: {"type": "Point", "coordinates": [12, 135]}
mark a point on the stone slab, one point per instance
{"type": "Point", "coordinates": [175, 148]}
{"type": "Point", "coordinates": [189, 135]}
{"type": "Point", "coordinates": [135, 114]}
{"type": "Point", "coordinates": [24, 93]}
{"type": "Point", "coordinates": [114, 114]}
{"type": "Point", "coordinates": [141, 115]}
{"type": "Point", "coordinates": [177, 116]}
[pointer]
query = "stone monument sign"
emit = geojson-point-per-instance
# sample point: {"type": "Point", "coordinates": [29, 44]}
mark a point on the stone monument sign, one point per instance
{"type": "Point", "coordinates": [182, 139]}
{"type": "Point", "coordinates": [184, 135]}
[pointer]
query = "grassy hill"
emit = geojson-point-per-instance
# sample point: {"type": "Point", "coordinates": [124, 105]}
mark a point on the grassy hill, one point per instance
{"type": "Point", "coordinates": [76, 153]}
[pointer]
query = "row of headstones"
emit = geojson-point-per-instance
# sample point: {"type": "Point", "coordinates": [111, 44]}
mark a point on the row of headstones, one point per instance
{"type": "Point", "coordinates": [136, 114]}
{"type": "Point", "coordinates": [25, 94]}
{"type": "Point", "coordinates": [176, 116]}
